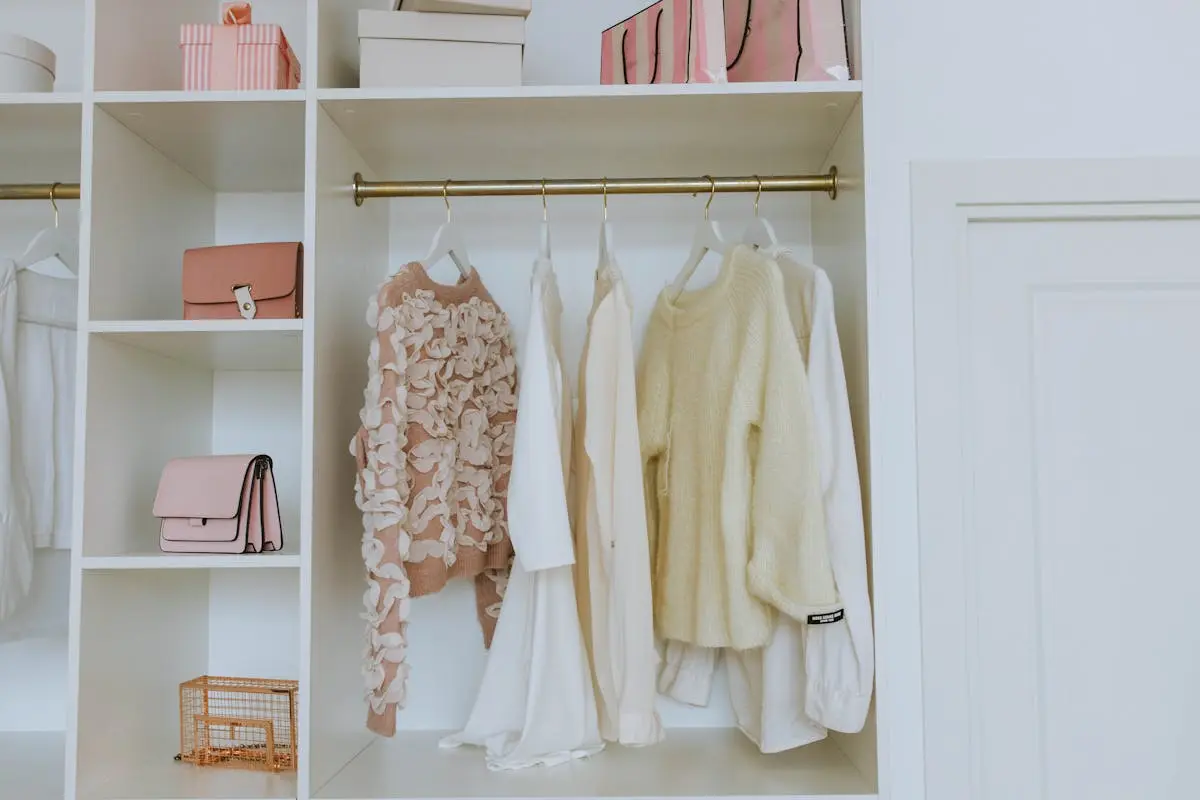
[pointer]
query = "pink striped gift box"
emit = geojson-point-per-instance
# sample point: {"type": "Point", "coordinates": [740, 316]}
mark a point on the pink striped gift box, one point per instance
{"type": "Point", "coordinates": [672, 41]}
{"type": "Point", "coordinates": [237, 57]}
{"type": "Point", "coordinates": [786, 40]}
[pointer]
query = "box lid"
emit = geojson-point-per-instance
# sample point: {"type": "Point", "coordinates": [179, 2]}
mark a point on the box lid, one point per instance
{"type": "Point", "coordinates": [519, 8]}
{"type": "Point", "coordinates": [28, 49]}
{"type": "Point", "coordinates": [201, 33]}
{"type": "Point", "coordinates": [493, 28]}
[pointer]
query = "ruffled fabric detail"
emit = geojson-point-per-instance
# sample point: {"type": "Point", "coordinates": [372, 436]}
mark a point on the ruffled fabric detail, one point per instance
{"type": "Point", "coordinates": [434, 454]}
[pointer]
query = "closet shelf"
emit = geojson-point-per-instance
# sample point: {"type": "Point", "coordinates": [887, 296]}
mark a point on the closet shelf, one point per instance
{"type": "Point", "coordinates": [230, 141]}
{"type": "Point", "coordinates": [163, 779]}
{"type": "Point", "coordinates": [696, 762]}
{"type": "Point", "coordinates": [40, 98]}
{"type": "Point", "coordinates": [184, 561]}
{"type": "Point", "coordinates": [594, 90]}
{"type": "Point", "coordinates": [169, 97]}
{"type": "Point", "coordinates": [32, 764]}
{"type": "Point", "coordinates": [268, 344]}
{"type": "Point", "coordinates": [556, 132]}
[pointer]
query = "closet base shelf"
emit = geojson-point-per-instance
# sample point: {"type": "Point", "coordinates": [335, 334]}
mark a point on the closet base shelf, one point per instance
{"type": "Point", "coordinates": [691, 762]}
{"type": "Point", "coordinates": [32, 765]}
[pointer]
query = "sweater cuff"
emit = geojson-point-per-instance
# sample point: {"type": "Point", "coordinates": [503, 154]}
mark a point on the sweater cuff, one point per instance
{"type": "Point", "coordinates": [837, 709]}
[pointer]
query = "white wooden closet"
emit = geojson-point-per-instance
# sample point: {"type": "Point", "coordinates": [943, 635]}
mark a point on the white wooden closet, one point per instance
{"type": "Point", "coordinates": [89, 672]}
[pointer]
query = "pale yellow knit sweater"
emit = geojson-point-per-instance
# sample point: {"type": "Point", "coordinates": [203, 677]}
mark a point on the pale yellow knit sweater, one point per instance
{"type": "Point", "coordinates": [733, 493]}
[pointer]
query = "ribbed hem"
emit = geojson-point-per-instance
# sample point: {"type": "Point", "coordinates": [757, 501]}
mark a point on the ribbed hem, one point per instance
{"type": "Point", "coordinates": [432, 574]}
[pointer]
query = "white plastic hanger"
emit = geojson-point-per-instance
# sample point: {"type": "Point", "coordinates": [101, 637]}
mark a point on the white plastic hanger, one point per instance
{"type": "Point", "coordinates": [46, 254]}
{"type": "Point", "coordinates": [448, 241]}
{"type": "Point", "coordinates": [707, 239]}
{"type": "Point", "coordinates": [607, 251]}
{"type": "Point", "coordinates": [759, 233]}
{"type": "Point", "coordinates": [544, 239]}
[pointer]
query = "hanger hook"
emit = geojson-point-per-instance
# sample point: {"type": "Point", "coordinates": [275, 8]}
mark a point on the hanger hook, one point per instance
{"type": "Point", "coordinates": [545, 210]}
{"type": "Point", "coordinates": [446, 198]}
{"type": "Point", "coordinates": [606, 199]}
{"type": "Point", "coordinates": [53, 203]}
{"type": "Point", "coordinates": [758, 196]}
{"type": "Point", "coordinates": [712, 192]}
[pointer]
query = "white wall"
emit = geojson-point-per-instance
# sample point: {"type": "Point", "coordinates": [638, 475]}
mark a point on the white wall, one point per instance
{"type": "Point", "coordinates": [968, 79]}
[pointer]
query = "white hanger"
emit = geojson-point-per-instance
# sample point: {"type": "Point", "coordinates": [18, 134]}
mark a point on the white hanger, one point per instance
{"type": "Point", "coordinates": [707, 239]}
{"type": "Point", "coordinates": [759, 233]}
{"type": "Point", "coordinates": [544, 239]}
{"type": "Point", "coordinates": [448, 241]}
{"type": "Point", "coordinates": [607, 251]}
{"type": "Point", "coordinates": [46, 254]}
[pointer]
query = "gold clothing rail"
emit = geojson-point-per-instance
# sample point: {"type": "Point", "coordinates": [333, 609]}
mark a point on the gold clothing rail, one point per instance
{"type": "Point", "coordinates": [39, 191]}
{"type": "Point", "coordinates": [370, 190]}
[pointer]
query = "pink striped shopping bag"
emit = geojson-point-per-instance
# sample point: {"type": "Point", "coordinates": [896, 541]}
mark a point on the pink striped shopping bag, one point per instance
{"type": "Point", "coordinates": [672, 41]}
{"type": "Point", "coordinates": [786, 40]}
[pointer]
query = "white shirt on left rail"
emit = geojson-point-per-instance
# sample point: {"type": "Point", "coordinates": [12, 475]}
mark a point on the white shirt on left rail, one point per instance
{"type": "Point", "coordinates": [37, 414]}
{"type": "Point", "coordinates": [536, 703]}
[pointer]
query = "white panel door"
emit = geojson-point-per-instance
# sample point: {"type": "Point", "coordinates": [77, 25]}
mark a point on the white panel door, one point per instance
{"type": "Point", "coordinates": [1057, 310]}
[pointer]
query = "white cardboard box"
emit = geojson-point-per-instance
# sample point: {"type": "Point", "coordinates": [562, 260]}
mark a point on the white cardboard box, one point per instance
{"type": "Point", "coordinates": [25, 65]}
{"type": "Point", "coordinates": [406, 48]}
{"type": "Point", "coordinates": [518, 8]}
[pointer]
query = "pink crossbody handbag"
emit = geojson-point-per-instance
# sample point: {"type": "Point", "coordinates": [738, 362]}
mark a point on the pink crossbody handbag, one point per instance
{"type": "Point", "coordinates": [218, 504]}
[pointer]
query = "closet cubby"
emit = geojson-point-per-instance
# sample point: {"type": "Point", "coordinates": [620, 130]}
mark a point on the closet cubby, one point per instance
{"type": "Point", "coordinates": [144, 633]}
{"type": "Point", "coordinates": [157, 395]}
{"type": "Point", "coordinates": [137, 42]}
{"type": "Point", "coordinates": [59, 25]}
{"type": "Point", "coordinates": [170, 176]}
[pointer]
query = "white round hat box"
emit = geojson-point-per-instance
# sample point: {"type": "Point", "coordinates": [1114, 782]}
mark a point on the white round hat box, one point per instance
{"type": "Point", "coordinates": [25, 65]}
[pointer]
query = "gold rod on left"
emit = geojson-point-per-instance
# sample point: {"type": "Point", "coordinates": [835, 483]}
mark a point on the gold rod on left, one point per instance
{"type": "Point", "coordinates": [38, 191]}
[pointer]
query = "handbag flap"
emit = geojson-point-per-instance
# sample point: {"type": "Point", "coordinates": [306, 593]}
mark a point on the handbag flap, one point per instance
{"type": "Point", "coordinates": [204, 487]}
{"type": "Point", "coordinates": [270, 269]}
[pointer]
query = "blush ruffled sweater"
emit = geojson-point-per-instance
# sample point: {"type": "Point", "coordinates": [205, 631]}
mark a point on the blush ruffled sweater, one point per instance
{"type": "Point", "coordinates": [434, 455]}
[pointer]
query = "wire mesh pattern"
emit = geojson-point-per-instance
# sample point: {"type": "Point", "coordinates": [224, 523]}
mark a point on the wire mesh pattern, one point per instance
{"type": "Point", "coordinates": [242, 723]}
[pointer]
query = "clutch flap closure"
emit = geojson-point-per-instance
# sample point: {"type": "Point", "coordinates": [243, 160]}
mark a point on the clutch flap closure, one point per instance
{"type": "Point", "coordinates": [201, 488]}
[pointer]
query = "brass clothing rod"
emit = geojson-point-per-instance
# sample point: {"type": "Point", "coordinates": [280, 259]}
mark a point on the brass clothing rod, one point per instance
{"type": "Point", "coordinates": [370, 190]}
{"type": "Point", "coordinates": [39, 191]}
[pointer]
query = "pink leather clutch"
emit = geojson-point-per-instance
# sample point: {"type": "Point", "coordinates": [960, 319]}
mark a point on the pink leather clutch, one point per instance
{"type": "Point", "coordinates": [246, 281]}
{"type": "Point", "coordinates": [218, 504]}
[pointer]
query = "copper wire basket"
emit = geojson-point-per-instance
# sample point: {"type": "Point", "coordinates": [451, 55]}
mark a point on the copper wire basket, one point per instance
{"type": "Point", "coordinates": [239, 723]}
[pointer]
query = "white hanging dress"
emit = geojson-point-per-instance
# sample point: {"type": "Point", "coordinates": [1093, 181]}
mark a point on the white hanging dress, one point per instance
{"type": "Point", "coordinates": [536, 704]}
{"type": "Point", "coordinates": [37, 421]}
{"type": "Point", "coordinates": [16, 531]}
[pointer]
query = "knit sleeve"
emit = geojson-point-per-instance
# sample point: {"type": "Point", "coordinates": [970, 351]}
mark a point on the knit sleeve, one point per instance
{"type": "Point", "coordinates": [653, 396]}
{"type": "Point", "coordinates": [789, 562]}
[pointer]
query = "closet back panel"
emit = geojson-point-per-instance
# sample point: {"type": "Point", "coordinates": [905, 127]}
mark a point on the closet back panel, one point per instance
{"type": "Point", "coordinates": [137, 42]}
{"type": "Point", "coordinates": [58, 24]}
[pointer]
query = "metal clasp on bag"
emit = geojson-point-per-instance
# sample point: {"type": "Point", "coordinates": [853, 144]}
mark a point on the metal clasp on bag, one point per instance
{"type": "Point", "coordinates": [245, 302]}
